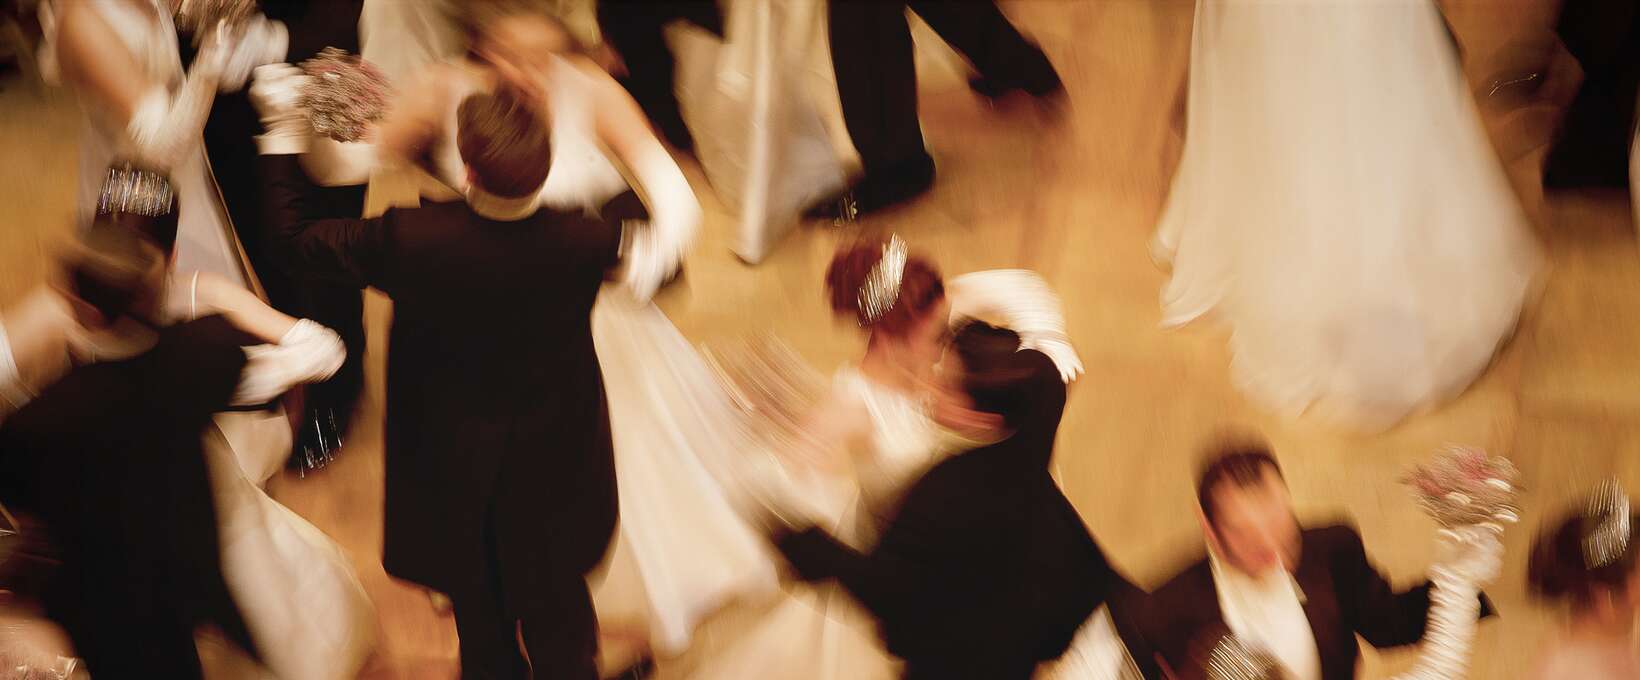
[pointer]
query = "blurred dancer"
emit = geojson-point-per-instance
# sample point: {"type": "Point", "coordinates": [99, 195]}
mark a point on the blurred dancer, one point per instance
{"type": "Point", "coordinates": [312, 25]}
{"type": "Point", "coordinates": [1343, 213]}
{"type": "Point", "coordinates": [305, 614]}
{"type": "Point", "coordinates": [1591, 562]}
{"type": "Point", "coordinates": [121, 58]}
{"type": "Point", "coordinates": [113, 450]}
{"type": "Point", "coordinates": [871, 51]}
{"type": "Point", "coordinates": [637, 29]}
{"type": "Point", "coordinates": [985, 570]}
{"type": "Point", "coordinates": [673, 424]}
{"type": "Point", "coordinates": [888, 419]}
{"type": "Point", "coordinates": [500, 487]}
{"type": "Point", "coordinates": [1301, 594]}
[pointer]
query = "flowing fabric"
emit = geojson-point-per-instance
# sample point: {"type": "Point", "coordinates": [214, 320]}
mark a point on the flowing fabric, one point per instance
{"type": "Point", "coordinates": [1340, 208]}
{"type": "Point", "coordinates": [307, 612]}
{"type": "Point", "coordinates": [673, 428]}
{"type": "Point", "coordinates": [757, 126]}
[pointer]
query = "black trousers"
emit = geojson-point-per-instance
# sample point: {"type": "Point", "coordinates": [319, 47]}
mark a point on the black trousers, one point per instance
{"type": "Point", "coordinates": [635, 28]}
{"type": "Point", "coordinates": [559, 631]}
{"type": "Point", "coordinates": [1593, 148]}
{"type": "Point", "coordinates": [871, 51]}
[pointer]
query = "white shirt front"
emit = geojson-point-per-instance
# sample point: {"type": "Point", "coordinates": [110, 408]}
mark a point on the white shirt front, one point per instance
{"type": "Point", "coordinates": [1267, 612]}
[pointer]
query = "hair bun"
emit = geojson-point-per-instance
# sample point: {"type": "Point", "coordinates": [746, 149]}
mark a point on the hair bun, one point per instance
{"type": "Point", "coordinates": [920, 287]}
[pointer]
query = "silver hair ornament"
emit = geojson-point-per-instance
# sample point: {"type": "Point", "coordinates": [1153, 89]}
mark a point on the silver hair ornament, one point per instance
{"type": "Point", "coordinates": [881, 289]}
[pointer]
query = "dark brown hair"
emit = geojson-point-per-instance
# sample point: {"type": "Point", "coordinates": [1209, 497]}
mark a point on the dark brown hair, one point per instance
{"type": "Point", "coordinates": [921, 287]}
{"type": "Point", "coordinates": [505, 142]}
{"type": "Point", "coordinates": [991, 375]}
{"type": "Point", "coordinates": [1240, 464]}
{"type": "Point", "coordinates": [1557, 570]}
{"type": "Point", "coordinates": [113, 268]}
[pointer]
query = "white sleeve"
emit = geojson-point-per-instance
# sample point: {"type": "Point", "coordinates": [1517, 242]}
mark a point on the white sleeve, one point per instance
{"type": "Point", "coordinates": [308, 353]}
{"type": "Point", "coordinates": [1026, 304]}
{"type": "Point", "coordinates": [653, 253]}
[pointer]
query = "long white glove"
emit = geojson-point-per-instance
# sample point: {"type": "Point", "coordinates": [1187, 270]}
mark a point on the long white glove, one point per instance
{"type": "Point", "coordinates": [275, 93]}
{"type": "Point", "coordinates": [1468, 559]}
{"type": "Point", "coordinates": [261, 41]}
{"type": "Point", "coordinates": [653, 253]}
{"type": "Point", "coordinates": [165, 128]}
{"type": "Point", "coordinates": [1026, 304]}
{"type": "Point", "coordinates": [308, 353]}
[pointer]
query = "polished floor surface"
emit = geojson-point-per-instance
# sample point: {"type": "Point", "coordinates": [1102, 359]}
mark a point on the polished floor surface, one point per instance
{"type": "Point", "coordinates": [1076, 198]}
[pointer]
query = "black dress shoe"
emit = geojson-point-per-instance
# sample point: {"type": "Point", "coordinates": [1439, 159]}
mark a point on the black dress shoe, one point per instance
{"type": "Point", "coordinates": [882, 189]}
{"type": "Point", "coordinates": [1048, 86]}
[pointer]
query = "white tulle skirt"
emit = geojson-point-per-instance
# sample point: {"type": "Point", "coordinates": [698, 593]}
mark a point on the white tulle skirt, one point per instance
{"type": "Point", "coordinates": [687, 548]}
{"type": "Point", "coordinates": [1339, 207]}
{"type": "Point", "coordinates": [307, 612]}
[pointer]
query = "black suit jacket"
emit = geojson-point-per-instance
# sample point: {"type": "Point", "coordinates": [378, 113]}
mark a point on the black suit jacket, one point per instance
{"type": "Point", "coordinates": [110, 460]}
{"type": "Point", "coordinates": [496, 421]}
{"type": "Point", "coordinates": [986, 568]}
{"type": "Point", "coordinates": [1344, 596]}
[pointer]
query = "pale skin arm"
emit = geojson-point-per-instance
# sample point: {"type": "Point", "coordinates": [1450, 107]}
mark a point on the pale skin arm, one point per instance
{"type": "Point", "coordinates": [242, 307]}
{"type": "Point", "coordinates": [95, 61]}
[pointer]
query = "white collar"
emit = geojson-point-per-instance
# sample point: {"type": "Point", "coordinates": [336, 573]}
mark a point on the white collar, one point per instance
{"type": "Point", "coordinates": [1267, 610]}
{"type": "Point", "coordinates": [500, 208]}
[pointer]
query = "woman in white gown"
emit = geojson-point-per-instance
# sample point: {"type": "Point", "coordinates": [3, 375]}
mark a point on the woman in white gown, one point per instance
{"type": "Point", "coordinates": [888, 419]}
{"type": "Point", "coordinates": [1339, 207]}
{"type": "Point", "coordinates": [120, 57]}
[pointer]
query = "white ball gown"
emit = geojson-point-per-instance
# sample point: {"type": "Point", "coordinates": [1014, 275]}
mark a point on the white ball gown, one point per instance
{"type": "Point", "coordinates": [1339, 207]}
{"type": "Point", "coordinates": [751, 102]}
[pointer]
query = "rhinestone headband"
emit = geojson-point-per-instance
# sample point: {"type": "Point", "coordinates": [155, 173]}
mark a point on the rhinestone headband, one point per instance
{"type": "Point", "coordinates": [1233, 660]}
{"type": "Point", "coordinates": [135, 192]}
{"type": "Point", "coordinates": [881, 289]}
{"type": "Point", "coordinates": [1609, 540]}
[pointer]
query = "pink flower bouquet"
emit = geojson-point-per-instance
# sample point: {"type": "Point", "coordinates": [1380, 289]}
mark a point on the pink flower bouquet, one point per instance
{"type": "Point", "coordinates": [1464, 486]}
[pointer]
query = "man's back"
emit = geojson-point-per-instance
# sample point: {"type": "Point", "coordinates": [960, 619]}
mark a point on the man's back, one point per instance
{"type": "Point", "coordinates": [502, 306]}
